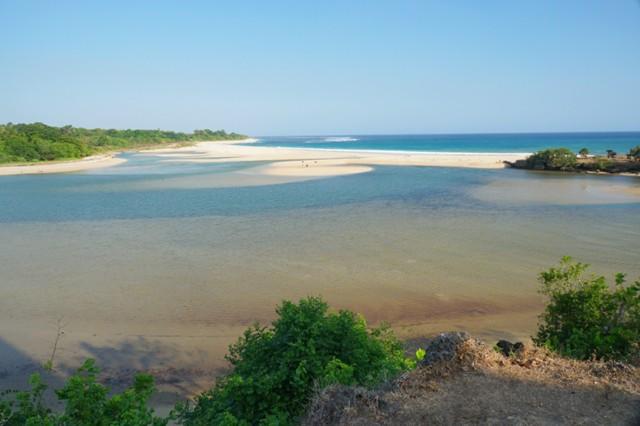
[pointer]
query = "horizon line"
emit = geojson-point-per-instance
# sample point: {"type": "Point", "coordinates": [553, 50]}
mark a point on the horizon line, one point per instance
{"type": "Point", "coordinates": [470, 133]}
{"type": "Point", "coordinates": [561, 132]}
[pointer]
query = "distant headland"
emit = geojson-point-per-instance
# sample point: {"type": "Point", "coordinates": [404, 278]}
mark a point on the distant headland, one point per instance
{"type": "Point", "coordinates": [563, 159]}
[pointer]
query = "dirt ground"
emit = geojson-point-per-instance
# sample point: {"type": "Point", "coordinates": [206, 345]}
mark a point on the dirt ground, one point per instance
{"type": "Point", "coordinates": [481, 386]}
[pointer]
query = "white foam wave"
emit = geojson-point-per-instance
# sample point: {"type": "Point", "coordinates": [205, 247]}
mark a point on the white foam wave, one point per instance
{"type": "Point", "coordinates": [340, 139]}
{"type": "Point", "coordinates": [332, 139]}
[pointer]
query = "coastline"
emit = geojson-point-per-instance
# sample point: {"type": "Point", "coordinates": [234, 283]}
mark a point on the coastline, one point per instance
{"type": "Point", "coordinates": [87, 163]}
{"type": "Point", "coordinates": [314, 162]}
{"type": "Point", "coordinates": [93, 161]}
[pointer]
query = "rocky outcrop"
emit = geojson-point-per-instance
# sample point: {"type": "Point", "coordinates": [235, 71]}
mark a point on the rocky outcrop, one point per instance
{"type": "Point", "coordinates": [507, 348]}
{"type": "Point", "coordinates": [444, 347]}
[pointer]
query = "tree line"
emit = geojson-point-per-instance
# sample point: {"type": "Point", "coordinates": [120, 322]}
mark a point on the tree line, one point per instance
{"type": "Point", "coordinates": [39, 142]}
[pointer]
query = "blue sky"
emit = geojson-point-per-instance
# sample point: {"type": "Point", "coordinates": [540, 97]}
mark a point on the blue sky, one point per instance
{"type": "Point", "coordinates": [323, 67]}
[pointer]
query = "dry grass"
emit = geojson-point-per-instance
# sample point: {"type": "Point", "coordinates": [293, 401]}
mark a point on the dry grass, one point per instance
{"type": "Point", "coordinates": [481, 386]}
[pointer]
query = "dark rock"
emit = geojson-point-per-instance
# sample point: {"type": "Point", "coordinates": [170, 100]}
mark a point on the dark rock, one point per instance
{"type": "Point", "coordinates": [507, 348]}
{"type": "Point", "coordinates": [518, 164]}
{"type": "Point", "coordinates": [444, 347]}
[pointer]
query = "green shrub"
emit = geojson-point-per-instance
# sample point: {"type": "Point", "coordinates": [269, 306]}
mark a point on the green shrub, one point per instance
{"type": "Point", "coordinates": [603, 164]}
{"type": "Point", "coordinates": [552, 159]}
{"type": "Point", "coordinates": [86, 402]}
{"type": "Point", "coordinates": [635, 152]}
{"type": "Point", "coordinates": [276, 369]}
{"type": "Point", "coordinates": [586, 317]}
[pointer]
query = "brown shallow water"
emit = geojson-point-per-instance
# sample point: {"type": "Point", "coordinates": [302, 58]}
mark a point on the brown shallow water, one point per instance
{"type": "Point", "coordinates": [165, 280]}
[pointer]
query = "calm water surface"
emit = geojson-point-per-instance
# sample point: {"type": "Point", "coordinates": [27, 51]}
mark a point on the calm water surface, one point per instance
{"type": "Point", "coordinates": [169, 252]}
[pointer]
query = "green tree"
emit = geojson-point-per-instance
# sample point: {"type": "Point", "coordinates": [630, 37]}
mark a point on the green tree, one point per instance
{"type": "Point", "coordinates": [584, 152]}
{"type": "Point", "coordinates": [39, 142]}
{"type": "Point", "coordinates": [635, 153]}
{"type": "Point", "coordinates": [586, 317]}
{"type": "Point", "coordinates": [275, 369]}
{"type": "Point", "coordinates": [552, 159]}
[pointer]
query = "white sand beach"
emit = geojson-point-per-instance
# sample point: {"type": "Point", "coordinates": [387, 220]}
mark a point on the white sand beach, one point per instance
{"type": "Point", "coordinates": [87, 163]}
{"type": "Point", "coordinates": [316, 162]}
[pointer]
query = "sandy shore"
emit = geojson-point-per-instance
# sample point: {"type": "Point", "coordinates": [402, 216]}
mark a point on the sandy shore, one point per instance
{"type": "Point", "coordinates": [92, 162]}
{"type": "Point", "coordinates": [314, 162]}
{"type": "Point", "coordinates": [87, 163]}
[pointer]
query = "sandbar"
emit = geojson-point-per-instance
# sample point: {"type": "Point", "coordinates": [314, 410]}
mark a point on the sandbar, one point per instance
{"type": "Point", "coordinates": [304, 162]}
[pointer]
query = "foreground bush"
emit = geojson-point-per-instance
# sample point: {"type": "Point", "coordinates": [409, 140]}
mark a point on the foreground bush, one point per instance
{"type": "Point", "coordinates": [586, 317]}
{"type": "Point", "coordinates": [86, 402]}
{"type": "Point", "coordinates": [276, 369]}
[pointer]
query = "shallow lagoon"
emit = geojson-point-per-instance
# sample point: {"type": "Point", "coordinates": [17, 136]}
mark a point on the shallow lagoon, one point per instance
{"type": "Point", "coordinates": [171, 260]}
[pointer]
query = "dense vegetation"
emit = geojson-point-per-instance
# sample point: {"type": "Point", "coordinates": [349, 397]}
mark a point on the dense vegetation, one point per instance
{"type": "Point", "coordinates": [39, 142]}
{"type": "Point", "coordinates": [552, 159]}
{"type": "Point", "coordinates": [276, 369]}
{"type": "Point", "coordinates": [563, 159]}
{"type": "Point", "coordinates": [585, 317]}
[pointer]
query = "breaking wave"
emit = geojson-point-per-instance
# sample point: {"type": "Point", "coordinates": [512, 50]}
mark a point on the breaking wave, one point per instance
{"type": "Point", "coordinates": [333, 139]}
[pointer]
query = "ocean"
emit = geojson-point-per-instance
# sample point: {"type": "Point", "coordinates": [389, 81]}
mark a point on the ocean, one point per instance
{"type": "Point", "coordinates": [472, 143]}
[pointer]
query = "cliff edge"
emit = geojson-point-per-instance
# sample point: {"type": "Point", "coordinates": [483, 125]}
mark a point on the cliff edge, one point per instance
{"type": "Point", "coordinates": [463, 381]}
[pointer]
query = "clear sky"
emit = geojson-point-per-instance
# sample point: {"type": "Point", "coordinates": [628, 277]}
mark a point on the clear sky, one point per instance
{"type": "Point", "coordinates": [323, 67]}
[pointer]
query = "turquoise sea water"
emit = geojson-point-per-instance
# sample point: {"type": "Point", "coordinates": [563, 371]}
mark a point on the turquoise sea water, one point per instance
{"type": "Point", "coordinates": [517, 143]}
